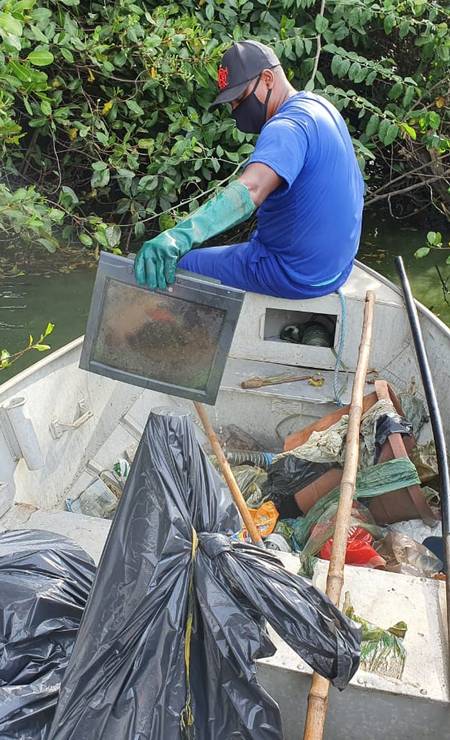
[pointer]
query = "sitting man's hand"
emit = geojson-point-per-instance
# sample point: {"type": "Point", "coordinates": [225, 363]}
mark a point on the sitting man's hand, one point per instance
{"type": "Point", "coordinates": [156, 261]}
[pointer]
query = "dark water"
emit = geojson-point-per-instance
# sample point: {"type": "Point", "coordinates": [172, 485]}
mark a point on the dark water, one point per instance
{"type": "Point", "coordinates": [57, 288]}
{"type": "Point", "coordinates": [383, 240]}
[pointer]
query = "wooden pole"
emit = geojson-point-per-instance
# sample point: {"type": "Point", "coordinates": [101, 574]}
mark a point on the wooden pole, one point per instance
{"type": "Point", "coordinates": [318, 694]}
{"type": "Point", "coordinates": [229, 477]}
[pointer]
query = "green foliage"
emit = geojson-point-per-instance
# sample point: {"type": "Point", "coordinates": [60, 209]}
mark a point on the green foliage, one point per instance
{"type": "Point", "coordinates": [104, 120]}
{"type": "Point", "coordinates": [7, 359]}
{"type": "Point", "coordinates": [434, 241]}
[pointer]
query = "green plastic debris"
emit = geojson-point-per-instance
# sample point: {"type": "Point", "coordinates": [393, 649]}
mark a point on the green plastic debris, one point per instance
{"type": "Point", "coordinates": [373, 481]}
{"type": "Point", "coordinates": [382, 651]}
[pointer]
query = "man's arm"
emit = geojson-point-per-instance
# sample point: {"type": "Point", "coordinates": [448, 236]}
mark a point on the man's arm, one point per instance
{"type": "Point", "coordinates": [260, 180]}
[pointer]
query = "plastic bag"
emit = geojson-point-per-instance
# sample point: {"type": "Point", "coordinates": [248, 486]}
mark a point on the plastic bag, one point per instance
{"type": "Point", "coordinates": [382, 650]}
{"type": "Point", "coordinates": [265, 517]}
{"type": "Point", "coordinates": [323, 530]}
{"type": "Point", "coordinates": [287, 475]}
{"type": "Point", "coordinates": [359, 550]}
{"type": "Point", "coordinates": [97, 500]}
{"type": "Point", "coordinates": [175, 619]}
{"type": "Point", "coordinates": [45, 580]}
{"type": "Point", "coordinates": [405, 555]}
{"type": "Point", "coordinates": [374, 481]}
{"type": "Point", "coordinates": [250, 480]}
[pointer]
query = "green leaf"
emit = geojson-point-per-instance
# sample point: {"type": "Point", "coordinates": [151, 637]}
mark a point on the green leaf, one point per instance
{"type": "Point", "coordinates": [353, 71]}
{"type": "Point", "coordinates": [309, 87]}
{"type": "Point", "coordinates": [209, 11]}
{"type": "Point", "coordinates": [11, 25]}
{"type": "Point", "coordinates": [422, 252]}
{"type": "Point", "coordinates": [336, 64]}
{"type": "Point", "coordinates": [100, 178]}
{"type": "Point", "coordinates": [28, 107]}
{"type": "Point", "coordinates": [345, 66]}
{"type": "Point", "coordinates": [431, 237]}
{"type": "Point", "coordinates": [391, 134]}
{"type": "Point", "coordinates": [46, 108]}
{"type": "Point", "coordinates": [389, 23]}
{"type": "Point", "coordinates": [395, 91]}
{"type": "Point", "coordinates": [50, 244]}
{"type": "Point", "coordinates": [48, 329]}
{"type": "Point", "coordinates": [299, 46]}
{"type": "Point", "coordinates": [99, 166]}
{"type": "Point", "coordinates": [134, 107]}
{"type": "Point", "coordinates": [113, 235]}
{"type": "Point", "coordinates": [408, 97]}
{"type": "Point", "coordinates": [321, 24]}
{"type": "Point", "coordinates": [67, 54]}
{"type": "Point", "coordinates": [404, 28]}
{"type": "Point", "coordinates": [384, 125]}
{"type": "Point", "coordinates": [85, 239]}
{"type": "Point", "coordinates": [56, 215]}
{"type": "Point", "coordinates": [409, 130]}
{"type": "Point", "coordinates": [40, 57]}
{"type": "Point", "coordinates": [434, 120]}
{"type": "Point", "coordinates": [68, 197]}
{"type": "Point", "coordinates": [41, 347]}
{"type": "Point", "coordinates": [361, 75]}
{"type": "Point", "coordinates": [372, 125]}
{"type": "Point", "coordinates": [148, 183]}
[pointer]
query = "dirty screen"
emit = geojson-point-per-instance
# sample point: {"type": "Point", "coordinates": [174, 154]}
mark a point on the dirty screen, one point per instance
{"type": "Point", "coordinates": [162, 338]}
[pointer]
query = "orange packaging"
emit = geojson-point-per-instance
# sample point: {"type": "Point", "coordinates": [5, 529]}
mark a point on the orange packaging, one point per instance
{"type": "Point", "coordinates": [265, 517]}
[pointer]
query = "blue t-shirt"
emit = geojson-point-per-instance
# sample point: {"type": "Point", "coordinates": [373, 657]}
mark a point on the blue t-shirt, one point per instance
{"type": "Point", "coordinates": [312, 222]}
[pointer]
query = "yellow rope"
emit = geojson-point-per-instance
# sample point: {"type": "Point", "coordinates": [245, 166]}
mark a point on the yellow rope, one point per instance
{"type": "Point", "coordinates": [187, 716]}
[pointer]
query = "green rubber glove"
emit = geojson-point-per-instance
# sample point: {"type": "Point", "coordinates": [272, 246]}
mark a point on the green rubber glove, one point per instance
{"type": "Point", "coordinates": [156, 261]}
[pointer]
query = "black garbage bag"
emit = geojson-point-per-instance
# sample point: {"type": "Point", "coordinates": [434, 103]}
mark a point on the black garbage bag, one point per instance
{"type": "Point", "coordinates": [175, 618]}
{"type": "Point", "coordinates": [45, 580]}
{"type": "Point", "coordinates": [387, 425]}
{"type": "Point", "coordinates": [288, 475]}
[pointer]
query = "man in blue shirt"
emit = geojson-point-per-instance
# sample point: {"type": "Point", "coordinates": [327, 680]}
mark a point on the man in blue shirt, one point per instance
{"type": "Point", "coordinates": [302, 177]}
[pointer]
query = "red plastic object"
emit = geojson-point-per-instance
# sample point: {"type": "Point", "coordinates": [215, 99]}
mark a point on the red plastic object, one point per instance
{"type": "Point", "coordinates": [359, 550]}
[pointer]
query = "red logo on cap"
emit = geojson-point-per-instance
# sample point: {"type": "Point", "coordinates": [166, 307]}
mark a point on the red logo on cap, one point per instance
{"type": "Point", "coordinates": [222, 77]}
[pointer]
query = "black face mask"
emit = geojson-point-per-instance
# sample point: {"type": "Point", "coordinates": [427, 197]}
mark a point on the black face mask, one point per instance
{"type": "Point", "coordinates": [251, 114]}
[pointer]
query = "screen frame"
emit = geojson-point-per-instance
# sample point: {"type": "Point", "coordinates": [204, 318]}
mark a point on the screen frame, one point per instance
{"type": "Point", "coordinates": [187, 286]}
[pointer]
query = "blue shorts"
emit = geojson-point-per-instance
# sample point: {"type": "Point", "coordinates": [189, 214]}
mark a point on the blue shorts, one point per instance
{"type": "Point", "coordinates": [251, 267]}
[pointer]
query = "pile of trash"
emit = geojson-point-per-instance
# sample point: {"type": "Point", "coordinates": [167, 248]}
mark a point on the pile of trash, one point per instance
{"type": "Point", "coordinates": [293, 495]}
{"type": "Point", "coordinates": [297, 494]}
{"type": "Point", "coordinates": [181, 591]}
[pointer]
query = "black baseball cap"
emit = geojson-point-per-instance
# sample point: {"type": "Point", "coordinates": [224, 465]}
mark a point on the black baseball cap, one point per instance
{"type": "Point", "coordinates": [241, 63]}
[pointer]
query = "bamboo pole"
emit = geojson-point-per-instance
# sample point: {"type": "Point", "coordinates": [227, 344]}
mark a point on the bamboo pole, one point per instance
{"type": "Point", "coordinates": [318, 694]}
{"type": "Point", "coordinates": [229, 477]}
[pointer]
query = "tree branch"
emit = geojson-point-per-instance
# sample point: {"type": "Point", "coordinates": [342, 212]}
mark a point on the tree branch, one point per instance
{"type": "Point", "coordinates": [319, 47]}
{"type": "Point", "coordinates": [403, 190]}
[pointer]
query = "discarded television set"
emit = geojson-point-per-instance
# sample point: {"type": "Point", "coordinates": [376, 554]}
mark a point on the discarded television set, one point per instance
{"type": "Point", "coordinates": [174, 341]}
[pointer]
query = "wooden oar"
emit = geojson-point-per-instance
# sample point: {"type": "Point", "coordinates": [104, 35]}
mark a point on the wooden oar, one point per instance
{"type": "Point", "coordinates": [229, 477]}
{"type": "Point", "coordinates": [318, 694]}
